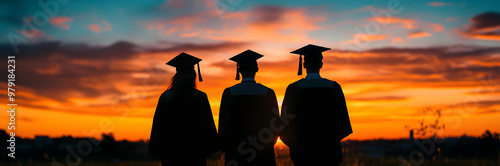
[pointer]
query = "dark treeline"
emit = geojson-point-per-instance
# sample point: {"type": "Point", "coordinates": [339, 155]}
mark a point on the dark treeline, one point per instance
{"type": "Point", "coordinates": [43, 148]}
{"type": "Point", "coordinates": [487, 146]}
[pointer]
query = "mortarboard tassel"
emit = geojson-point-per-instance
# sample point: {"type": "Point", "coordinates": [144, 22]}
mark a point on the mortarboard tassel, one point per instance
{"type": "Point", "coordinates": [237, 72]}
{"type": "Point", "coordinates": [300, 65]}
{"type": "Point", "coordinates": [199, 73]}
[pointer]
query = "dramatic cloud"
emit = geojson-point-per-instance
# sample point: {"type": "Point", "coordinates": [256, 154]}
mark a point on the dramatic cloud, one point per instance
{"type": "Point", "coordinates": [450, 66]}
{"type": "Point", "coordinates": [61, 22]}
{"type": "Point", "coordinates": [438, 4]}
{"type": "Point", "coordinates": [379, 98]}
{"type": "Point", "coordinates": [95, 77]}
{"type": "Point", "coordinates": [106, 26]}
{"type": "Point", "coordinates": [270, 23]}
{"type": "Point", "coordinates": [360, 38]}
{"type": "Point", "coordinates": [485, 26]}
{"type": "Point", "coordinates": [35, 33]}
{"type": "Point", "coordinates": [408, 23]}
{"type": "Point", "coordinates": [419, 34]}
{"type": "Point", "coordinates": [436, 27]}
{"type": "Point", "coordinates": [397, 40]}
{"type": "Point", "coordinates": [183, 47]}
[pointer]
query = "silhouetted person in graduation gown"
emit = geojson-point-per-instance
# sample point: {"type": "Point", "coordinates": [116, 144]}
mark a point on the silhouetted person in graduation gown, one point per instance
{"type": "Point", "coordinates": [321, 118]}
{"type": "Point", "coordinates": [246, 111]}
{"type": "Point", "coordinates": [183, 132]}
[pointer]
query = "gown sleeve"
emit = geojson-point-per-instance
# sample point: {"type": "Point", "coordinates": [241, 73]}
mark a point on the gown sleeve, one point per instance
{"type": "Point", "coordinates": [274, 102]}
{"type": "Point", "coordinates": [273, 106]}
{"type": "Point", "coordinates": [289, 134]}
{"type": "Point", "coordinates": [343, 122]}
{"type": "Point", "coordinates": [212, 142]}
{"type": "Point", "coordinates": [155, 142]}
{"type": "Point", "coordinates": [224, 117]}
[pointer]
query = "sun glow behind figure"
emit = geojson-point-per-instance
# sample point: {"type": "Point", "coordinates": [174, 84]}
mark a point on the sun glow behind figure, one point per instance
{"type": "Point", "coordinates": [279, 143]}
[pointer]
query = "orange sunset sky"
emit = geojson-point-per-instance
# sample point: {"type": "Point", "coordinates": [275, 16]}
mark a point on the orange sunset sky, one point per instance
{"type": "Point", "coordinates": [98, 67]}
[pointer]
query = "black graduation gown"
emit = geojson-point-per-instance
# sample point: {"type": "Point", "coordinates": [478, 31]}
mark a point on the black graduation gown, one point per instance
{"type": "Point", "coordinates": [246, 110]}
{"type": "Point", "coordinates": [183, 131]}
{"type": "Point", "coordinates": [320, 121]}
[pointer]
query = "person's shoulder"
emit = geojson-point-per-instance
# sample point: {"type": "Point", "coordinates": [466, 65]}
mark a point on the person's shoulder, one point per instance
{"type": "Point", "coordinates": [263, 86]}
{"type": "Point", "coordinates": [334, 83]}
{"type": "Point", "coordinates": [248, 88]}
{"type": "Point", "coordinates": [233, 87]}
{"type": "Point", "coordinates": [300, 80]}
{"type": "Point", "coordinates": [296, 82]}
{"type": "Point", "coordinates": [269, 90]}
{"type": "Point", "coordinates": [199, 93]}
{"type": "Point", "coordinates": [165, 93]}
{"type": "Point", "coordinates": [329, 81]}
{"type": "Point", "coordinates": [294, 85]}
{"type": "Point", "coordinates": [315, 83]}
{"type": "Point", "coordinates": [227, 91]}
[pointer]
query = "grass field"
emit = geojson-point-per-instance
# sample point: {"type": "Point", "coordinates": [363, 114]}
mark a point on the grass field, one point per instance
{"type": "Point", "coordinates": [280, 162]}
{"type": "Point", "coordinates": [282, 159]}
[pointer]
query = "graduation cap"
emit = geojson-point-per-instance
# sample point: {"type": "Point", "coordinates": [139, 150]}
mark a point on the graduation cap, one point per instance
{"type": "Point", "coordinates": [185, 62]}
{"type": "Point", "coordinates": [310, 51]}
{"type": "Point", "coordinates": [245, 58]}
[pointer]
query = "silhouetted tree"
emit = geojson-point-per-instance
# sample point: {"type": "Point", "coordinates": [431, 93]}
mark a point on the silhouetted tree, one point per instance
{"type": "Point", "coordinates": [108, 144]}
{"type": "Point", "coordinates": [4, 136]}
{"type": "Point", "coordinates": [489, 145]}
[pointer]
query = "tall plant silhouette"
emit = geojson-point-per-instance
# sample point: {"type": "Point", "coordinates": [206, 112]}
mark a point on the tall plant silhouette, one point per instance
{"type": "Point", "coordinates": [428, 127]}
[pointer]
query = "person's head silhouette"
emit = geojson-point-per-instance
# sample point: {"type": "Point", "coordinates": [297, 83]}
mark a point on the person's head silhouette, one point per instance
{"type": "Point", "coordinates": [246, 64]}
{"type": "Point", "coordinates": [184, 79]}
{"type": "Point", "coordinates": [313, 58]}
